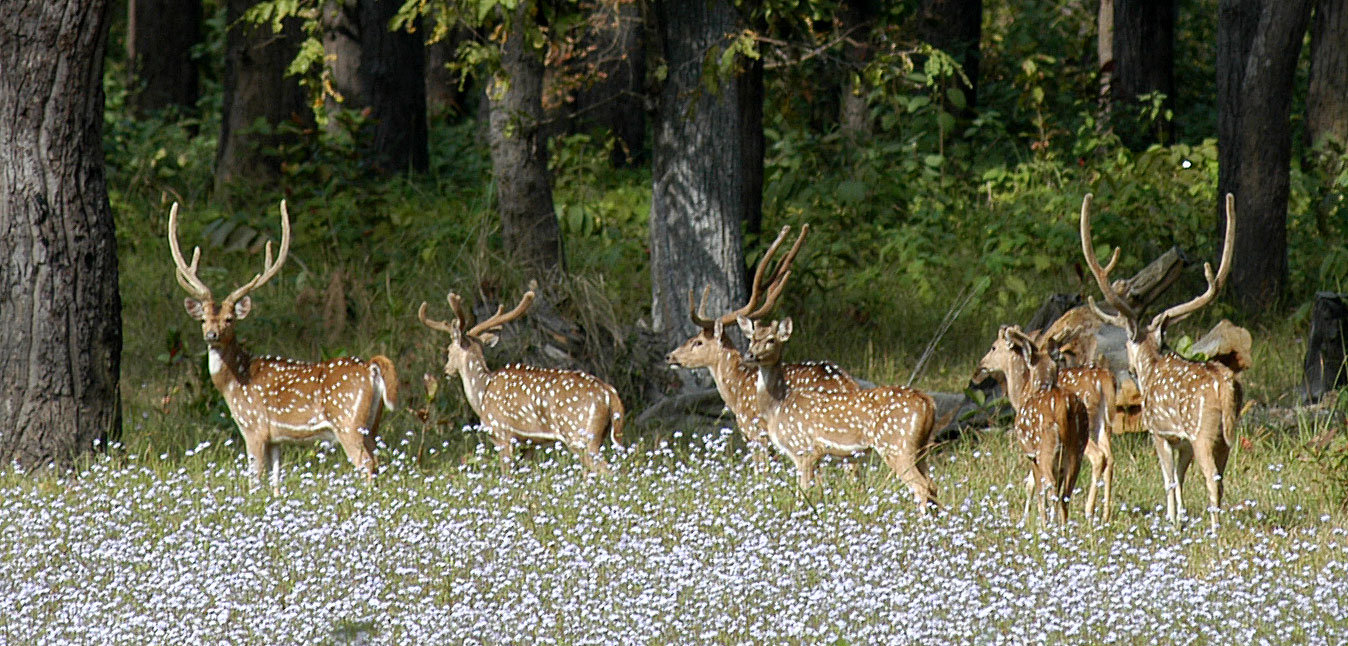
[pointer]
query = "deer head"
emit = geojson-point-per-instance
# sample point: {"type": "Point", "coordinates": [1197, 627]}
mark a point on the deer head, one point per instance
{"type": "Point", "coordinates": [217, 319]}
{"type": "Point", "coordinates": [466, 339]}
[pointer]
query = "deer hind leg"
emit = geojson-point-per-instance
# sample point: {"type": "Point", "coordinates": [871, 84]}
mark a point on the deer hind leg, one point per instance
{"type": "Point", "coordinates": [1067, 480]}
{"type": "Point", "coordinates": [504, 440]}
{"type": "Point", "coordinates": [1211, 457]}
{"type": "Point", "coordinates": [807, 462]}
{"type": "Point", "coordinates": [358, 444]}
{"type": "Point", "coordinates": [274, 457]}
{"type": "Point", "coordinates": [593, 440]}
{"type": "Point", "coordinates": [1098, 465]}
{"type": "Point", "coordinates": [1184, 452]}
{"type": "Point", "coordinates": [1031, 479]}
{"type": "Point", "coordinates": [1165, 455]}
{"type": "Point", "coordinates": [914, 474]}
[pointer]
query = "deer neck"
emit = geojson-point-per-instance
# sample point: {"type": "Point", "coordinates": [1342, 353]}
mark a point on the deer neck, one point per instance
{"type": "Point", "coordinates": [1144, 356]}
{"type": "Point", "coordinates": [228, 363]}
{"type": "Point", "coordinates": [736, 382]}
{"type": "Point", "coordinates": [1016, 382]}
{"type": "Point", "coordinates": [771, 388]}
{"type": "Point", "coordinates": [475, 376]}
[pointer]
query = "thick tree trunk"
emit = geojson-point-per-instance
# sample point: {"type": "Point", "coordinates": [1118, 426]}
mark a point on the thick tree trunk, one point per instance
{"type": "Point", "coordinates": [955, 27]}
{"type": "Point", "coordinates": [60, 313]}
{"type": "Point", "coordinates": [1144, 53]}
{"type": "Point", "coordinates": [381, 71]}
{"type": "Point", "coordinates": [519, 152]}
{"type": "Point", "coordinates": [1323, 368]}
{"type": "Point", "coordinates": [707, 168]}
{"type": "Point", "coordinates": [160, 35]}
{"type": "Point", "coordinates": [256, 88]}
{"type": "Point", "coordinates": [444, 98]}
{"type": "Point", "coordinates": [1327, 99]}
{"type": "Point", "coordinates": [856, 20]}
{"type": "Point", "coordinates": [1258, 42]}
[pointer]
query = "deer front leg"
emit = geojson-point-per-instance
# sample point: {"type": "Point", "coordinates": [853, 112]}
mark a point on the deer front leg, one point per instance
{"type": "Point", "coordinates": [1165, 455]}
{"type": "Point", "coordinates": [503, 438]}
{"type": "Point", "coordinates": [359, 449]}
{"type": "Point", "coordinates": [1030, 492]}
{"type": "Point", "coordinates": [1184, 456]}
{"type": "Point", "coordinates": [807, 462]}
{"type": "Point", "coordinates": [274, 456]}
{"type": "Point", "coordinates": [257, 455]}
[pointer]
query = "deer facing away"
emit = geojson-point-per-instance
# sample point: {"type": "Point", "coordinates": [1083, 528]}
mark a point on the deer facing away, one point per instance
{"type": "Point", "coordinates": [278, 401]}
{"type": "Point", "coordinates": [1009, 362]}
{"type": "Point", "coordinates": [1190, 407]}
{"type": "Point", "coordinates": [805, 424]}
{"type": "Point", "coordinates": [540, 404]}
{"type": "Point", "coordinates": [737, 382]}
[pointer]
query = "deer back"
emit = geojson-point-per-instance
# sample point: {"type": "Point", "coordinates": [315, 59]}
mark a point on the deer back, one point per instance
{"type": "Point", "coordinates": [295, 399]}
{"type": "Point", "coordinates": [544, 402]}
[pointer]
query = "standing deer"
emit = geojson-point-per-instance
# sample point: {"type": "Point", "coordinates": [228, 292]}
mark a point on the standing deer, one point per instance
{"type": "Point", "coordinates": [1190, 407]}
{"type": "Point", "coordinates": [1054, 421]}
{"type": "Point", "coordinates": [736, 382]}
{"type": "Point", "coordinates": [1009, 361]}
{"type": "Point", "coordinates": [566, 406]}
{"type": "Point", "coordinates": [806, 424]}
{"type": "Point", "coordinates": [276, 401]}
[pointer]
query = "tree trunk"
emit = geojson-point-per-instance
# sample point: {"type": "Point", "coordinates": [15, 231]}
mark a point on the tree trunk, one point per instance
{"type": "Point", "coordinates": [1327, 99]}
{"type": "Point", "coordinates": [382, 72]}
{"type": "Point", "coordinates": [1258, 42]}
{"type": "Point", "coordinates": [60, 313]}
{"type": "Point", "coordinates": [444, 98]}
{"type": "Point", "coordinates": [856, 19]}
{"type": "Point", "coordinates": [519, 152]}
{"type": "Point", "coordinates": [707, 169]}
{"type": "Point", "coordinates": [160, 35]}
{"type": "Point", "coordinates": [257, 89]}
{"type": "Point", "coordinates": [1323, 368]}
{"type": "Point", "coordinates": [1144, 53]}
{"type": "Point", "coordinates": [955, 27]}
{"type": "Point", "coordinates": [616, 99]}
{"type": "Point", "coordinates": [1104, 50]}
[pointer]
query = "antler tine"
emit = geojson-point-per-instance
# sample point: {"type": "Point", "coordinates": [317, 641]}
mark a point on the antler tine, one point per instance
{"type": "Point", "coordinates": [432, 323]}
{"type": "Point", "coordinates": [460, 312]}
{"type": "Point", "coordinates": [269, 269]}
{"type": "Point", "coordinates": [1126, 313]}
{"type": "Point", "coordinates": [698, 313]}
{"type": "Point", "coordinates": [1215, 282]}
{"type": "Point", "coordinates": [186, 274]}
{"type": "Point", "coordinates": [498, 319]}
{"type": "Point", "coordinates": [780, 277]}
{"type": "Point", "coordinates": [756, 288]}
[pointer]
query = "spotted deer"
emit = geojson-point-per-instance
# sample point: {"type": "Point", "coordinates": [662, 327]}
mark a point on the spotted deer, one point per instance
{"type": "Point", "coordinates": [278, 401]}
{"type": "Point", "coordinates": [1054, 422]}
{"type": "Point", "coordinates": [1190, 407]}
{"type": "Point", "coordinates": [517, 401]}
{"type": "Point", "coordinates": [737, 382]}
{"type": "Point", "coordinates": [1091, 385]}
{"type": "Point", "coordinates": [806, 424]}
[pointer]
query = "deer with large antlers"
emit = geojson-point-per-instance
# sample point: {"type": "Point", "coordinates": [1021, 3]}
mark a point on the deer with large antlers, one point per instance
{"type": "Point", "coordinates": [807, 424]}
{"type": "Point", "coordinates": [278, 401]}
{"type": "Point", "coordinates": [1060, 414]}
{"type": "Point", "coordinates": [711, 348]}
{"type": "Point", "coordinates": [540, 404]}
{"type": "Point", "coordinates": [1190, 407]}
{"type": "Point", "coordinates": [1010, 362]}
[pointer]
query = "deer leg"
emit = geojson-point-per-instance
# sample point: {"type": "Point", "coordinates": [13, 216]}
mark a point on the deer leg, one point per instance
{"type": "Point", "coordinates": [1030, 492]}
{"type": "Point", "coordinates": [590, 455]}
{"type": "Point", "coordinates": [1068, 480]}
{"type": "Point", "coordinates": [274, 456]}
{"type": "Point", "coordinates": [359, 448]}
{"type": "Point", "coordinates": [1164, 454]}
{"type": "Point", "coordinates": [913, 475]}
{"type": "Point", "coordinates": [1107, 454]}
{"type": "Point", "coordinates": [505, 446]}
{"type": "Point", "coordinates": [1184, 452]}
{"type": "Point", "coordinates": [806, 464]}
{"type": "Point", "coordinates": [1097, 460]}
{"type": "Point", "coordinates": [1211, 458]}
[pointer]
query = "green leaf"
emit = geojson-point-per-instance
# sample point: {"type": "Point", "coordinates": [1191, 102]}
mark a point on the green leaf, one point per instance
{"type": "Point", "coordinates": [851, 191]}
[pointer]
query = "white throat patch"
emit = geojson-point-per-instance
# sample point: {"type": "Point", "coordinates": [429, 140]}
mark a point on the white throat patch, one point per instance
{"type": "Point", "coordinates": [215, 362]}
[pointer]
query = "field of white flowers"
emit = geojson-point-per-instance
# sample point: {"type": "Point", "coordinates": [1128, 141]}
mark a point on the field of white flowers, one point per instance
{"type": "Point", "coordinates": [687, 543]}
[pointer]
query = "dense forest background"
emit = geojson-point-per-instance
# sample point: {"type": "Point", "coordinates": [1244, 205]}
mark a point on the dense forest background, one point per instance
{"type": "Point", "coordinates": [620, 153]}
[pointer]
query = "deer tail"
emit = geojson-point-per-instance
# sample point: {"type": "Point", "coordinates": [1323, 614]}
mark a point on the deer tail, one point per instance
{"type": "Point", "coordinates": [385, 378]}
{"type": "Point", "coordinates": [616, 413]}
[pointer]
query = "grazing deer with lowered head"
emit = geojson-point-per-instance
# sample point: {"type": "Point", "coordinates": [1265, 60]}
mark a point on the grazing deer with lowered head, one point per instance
{"type": "Point", "coordinates": [737, 382]}
{"type": "Point", "coordinates": [278, 401]}
{"type": "Point", "coordinates": [1190, 407]}
{"type": "Point", "coordinates": [541, 404]}
{"type": "Point", "coordinates": [1009, 362]}
{"type": "Point", "coordinates": [806, 424]}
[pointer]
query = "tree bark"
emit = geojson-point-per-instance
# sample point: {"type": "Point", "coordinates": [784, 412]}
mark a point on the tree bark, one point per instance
{"type": "Point", "coordinates": [615, 100]}
{"type": "Point", "coordinates": [382, 72]}
{"type": "Point", "coordinates": [519, 151]}
{"type": "Point", "coordinates": [707, 169]}
{"type": "Point", "coordinates": [444, 99]}
{"type": "Point", "coordinates": [1144, 53]}
{"type": "Point", "coordinates": [160, 35]}
{"type": "Point", "coordinates": [1327, 99]}
{"type": "Point", "coordinates": [1258, 42]}
{"type": "Point", "coordinates": [1323, 368]}
{"type": "Point", "coordinates": [856, 19]}
{"type": "Point", "coordinates": [60, 313]}
{"type": "Point", "coordinates": [257, 92]}
{"type": "Point", "coordinates": [955, 27]}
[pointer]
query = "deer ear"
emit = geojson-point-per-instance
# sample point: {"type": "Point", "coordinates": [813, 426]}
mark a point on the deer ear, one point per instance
{"type": "Point", "coordinates": [194, 308]}
{"type": "Point", "coordinates": [784, 328]}
{"type": "Point", "coordinates": [488, 339]}
{"type": "Point", "coordinates": [746, 326]}
{"type": "Point", "coordinates": [243, 307]}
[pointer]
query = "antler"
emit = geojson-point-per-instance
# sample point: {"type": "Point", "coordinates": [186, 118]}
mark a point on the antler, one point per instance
{"type": "Point", "coordinates": [269, 269]}
{"type": "Point", "coordinates": [753, 309]}
{"type": "Point", "coordinates": [186, 274]}
{"type": "Point", "coordinates": [1126, 313]}
{"type": "Point", "coordinates": [1178, 312]}
{"type": "Point", "coordinates": [432, 323]}
{"type": "Point", "coordinates": [498, 319]}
